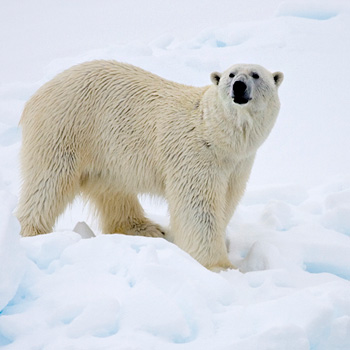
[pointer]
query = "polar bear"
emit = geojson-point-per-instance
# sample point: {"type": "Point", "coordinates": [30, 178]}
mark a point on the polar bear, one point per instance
{"type": "Point", "coordinates": [110, 131]}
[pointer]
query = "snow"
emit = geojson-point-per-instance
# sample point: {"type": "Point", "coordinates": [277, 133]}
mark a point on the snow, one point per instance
{"type": "Point", "coordinates": [290, 236]}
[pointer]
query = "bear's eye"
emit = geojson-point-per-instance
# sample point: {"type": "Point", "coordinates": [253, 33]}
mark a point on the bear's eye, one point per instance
{"type": "Point", "coordinates": [231, 75]}
{"type": "Point", "coordinates": [255, 75]}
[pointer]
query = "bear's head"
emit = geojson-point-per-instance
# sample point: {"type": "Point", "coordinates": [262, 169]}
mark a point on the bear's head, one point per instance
{"type": "Point", "coordinates": [247, 84]}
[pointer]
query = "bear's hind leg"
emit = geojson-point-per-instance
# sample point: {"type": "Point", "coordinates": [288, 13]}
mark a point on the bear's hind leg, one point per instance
{"type": "Point", "coordinates": [122, 213]}
{"type": "Point", "coordinates": [44, 196]}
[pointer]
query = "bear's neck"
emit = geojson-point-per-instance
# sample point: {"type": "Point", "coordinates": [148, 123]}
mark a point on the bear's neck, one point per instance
{"type": "Point", "coordinates": [234, 132]}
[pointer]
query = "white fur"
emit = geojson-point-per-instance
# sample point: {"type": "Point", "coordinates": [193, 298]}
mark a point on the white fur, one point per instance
{"type": "Point", "coordinates": [111, 131]}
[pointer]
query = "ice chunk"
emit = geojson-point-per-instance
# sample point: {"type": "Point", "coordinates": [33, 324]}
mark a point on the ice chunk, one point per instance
{"type": "Point", "coordinates": [83, 229]}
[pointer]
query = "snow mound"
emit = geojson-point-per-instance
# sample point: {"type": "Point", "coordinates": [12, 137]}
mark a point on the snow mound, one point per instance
{"type": "Point", "coordinates": [318, 10]}
{"type": "Point", "coordinates": [108, 288]}
{"type": "Point", "coordinates": [291, 290]}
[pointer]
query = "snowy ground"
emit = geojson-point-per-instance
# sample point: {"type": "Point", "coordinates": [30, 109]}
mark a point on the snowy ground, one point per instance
{"type": "Point", "coordinates": [290, 237]}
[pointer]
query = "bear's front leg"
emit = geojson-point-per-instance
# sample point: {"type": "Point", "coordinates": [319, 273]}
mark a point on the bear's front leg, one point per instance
{"type": "Point", "coordinates": [237, 183]}
{"type": "Point", "coordinates": [197, 218]}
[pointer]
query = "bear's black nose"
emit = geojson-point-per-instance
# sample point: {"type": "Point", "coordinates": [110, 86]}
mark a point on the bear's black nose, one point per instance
{"type": "Point", "coordinates": [239, 88]}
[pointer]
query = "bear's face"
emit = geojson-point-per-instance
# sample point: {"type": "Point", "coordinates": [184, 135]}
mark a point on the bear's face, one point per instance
{"type": "Point", "coordinates": [245, 85]}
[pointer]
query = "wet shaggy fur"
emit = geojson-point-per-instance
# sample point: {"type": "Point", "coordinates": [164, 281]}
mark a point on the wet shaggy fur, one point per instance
{"type": "Point", "coordinates": [110, 131]}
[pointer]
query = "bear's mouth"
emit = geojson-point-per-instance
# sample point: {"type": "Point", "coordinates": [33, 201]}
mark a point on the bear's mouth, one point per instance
{"type": "Point", "coordinates": [241, 100]}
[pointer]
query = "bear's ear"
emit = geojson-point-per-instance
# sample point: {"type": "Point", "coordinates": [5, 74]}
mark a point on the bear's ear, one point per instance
{"type": "Point", "coordinates": [278, 78]}
{"type": "Point", "coordinates": [215, 78]}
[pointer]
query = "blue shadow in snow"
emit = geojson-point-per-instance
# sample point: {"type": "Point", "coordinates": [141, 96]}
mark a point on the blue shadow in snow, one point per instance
{"type": "Point", "coordinates": [340, 271]}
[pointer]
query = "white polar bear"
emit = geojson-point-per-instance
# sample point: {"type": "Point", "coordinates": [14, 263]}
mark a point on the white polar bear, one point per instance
{"type": "Point", "coordinates": [111, 131]}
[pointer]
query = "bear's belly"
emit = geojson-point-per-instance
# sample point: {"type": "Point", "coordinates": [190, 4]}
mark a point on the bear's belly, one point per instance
{"type": "Point", "coordinates": [135, 180]}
